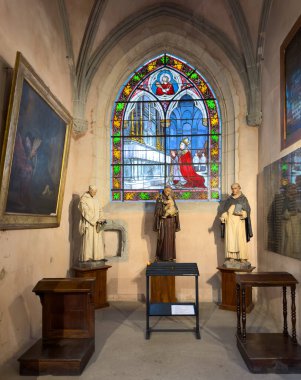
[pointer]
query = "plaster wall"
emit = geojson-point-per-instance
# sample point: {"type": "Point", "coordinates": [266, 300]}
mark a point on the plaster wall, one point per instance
{"type": "Point", "coordinates": [282, 18]}
{"type": "Point", "coordinates": [34, 28]}
{"type": "Point", "coordinates": [199, 239]}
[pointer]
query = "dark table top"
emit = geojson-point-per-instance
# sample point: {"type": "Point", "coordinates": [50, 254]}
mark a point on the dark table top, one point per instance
{"type": "Point", "coordinates": [64, 285]}
{"type": "Point", "coordinates": [265, 279]}
{"type": "Point", "coordinates": [162, 268]}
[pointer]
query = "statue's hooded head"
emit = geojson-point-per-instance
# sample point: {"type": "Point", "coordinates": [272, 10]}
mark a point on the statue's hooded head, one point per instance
{"type": "Point", "coordinates": [92, 190]}
{"type": "Point", "coordinates": [167, 190]}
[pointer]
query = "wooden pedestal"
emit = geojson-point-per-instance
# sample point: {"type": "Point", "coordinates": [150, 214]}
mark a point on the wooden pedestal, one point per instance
{"type": "Point", "coordinates": [100, 275]}
{"type": "Point", "coordinates": [229, 289]}
{"type": "Point", "coordinates": [163, 289]}
{"type": "Point", "coordinates": [68, 332]}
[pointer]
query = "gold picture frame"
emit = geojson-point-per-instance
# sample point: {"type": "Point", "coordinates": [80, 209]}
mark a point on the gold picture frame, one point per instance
{"type": "Point", "coordinates": [34, 155]}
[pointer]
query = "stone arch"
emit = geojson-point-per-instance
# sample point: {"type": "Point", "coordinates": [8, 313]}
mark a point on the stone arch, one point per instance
{"type": "Point", "coordinates": [130, 53]}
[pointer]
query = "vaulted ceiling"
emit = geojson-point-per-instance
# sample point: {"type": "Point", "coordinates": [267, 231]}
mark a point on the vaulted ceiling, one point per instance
{"type": "Point", "coordinates": [93, 27]}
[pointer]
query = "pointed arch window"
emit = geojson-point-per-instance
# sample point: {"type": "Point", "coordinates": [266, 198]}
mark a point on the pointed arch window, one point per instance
{"type": "Point", "coordinates": [166, 129]}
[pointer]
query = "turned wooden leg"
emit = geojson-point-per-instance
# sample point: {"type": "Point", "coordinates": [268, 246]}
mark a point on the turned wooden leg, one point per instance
{"type": "Point", "coordinates": [294, 337]}
{"type": "Point", "coordinates": [244, 314]}
{"type": "Point", "coordinates": [285, 332]}
{"type": "Point", "coordinates": [238, 309]}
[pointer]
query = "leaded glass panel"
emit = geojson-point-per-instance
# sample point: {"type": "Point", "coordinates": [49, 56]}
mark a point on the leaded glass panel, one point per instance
{"type": "Point", "coordinates": [166, 129]}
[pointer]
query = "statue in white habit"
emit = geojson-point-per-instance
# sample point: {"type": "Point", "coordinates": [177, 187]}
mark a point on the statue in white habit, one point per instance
{"type": "Point", "coordinates": [236, 228]}
{"type": "Point", "coordinates": [91, 226]}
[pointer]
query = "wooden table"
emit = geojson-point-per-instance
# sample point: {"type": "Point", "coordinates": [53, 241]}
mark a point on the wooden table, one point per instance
{"type": "Point", "coordinates": [100, 275]}
{"type": "Point", "coordinates": [268, 352]}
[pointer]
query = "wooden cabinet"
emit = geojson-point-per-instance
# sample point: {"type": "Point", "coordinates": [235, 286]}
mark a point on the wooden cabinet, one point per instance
{"type": "Point", "coordinates": [100, 275]}
{"type": "Point", "coordinates": [68, 332]}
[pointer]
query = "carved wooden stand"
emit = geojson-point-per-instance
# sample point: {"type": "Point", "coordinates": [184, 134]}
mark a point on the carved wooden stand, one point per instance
{"type": "Point", "coordinates": [68, 336]}
{"type": "Point", "coordinates": [263, 352]}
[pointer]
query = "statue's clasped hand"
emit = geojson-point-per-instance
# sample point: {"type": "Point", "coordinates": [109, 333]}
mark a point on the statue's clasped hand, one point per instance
{"type": "Point", "coordinates": [100, 224]}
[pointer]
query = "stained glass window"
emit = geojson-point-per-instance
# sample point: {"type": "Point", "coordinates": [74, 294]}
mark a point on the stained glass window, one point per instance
{"type": "Point", "coordinates": [166, 130]}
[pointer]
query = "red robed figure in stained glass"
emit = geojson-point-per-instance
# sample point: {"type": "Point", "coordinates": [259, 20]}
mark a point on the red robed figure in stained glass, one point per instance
{"type": "Point", "coordinates": [164, 88]}
{"type": "Point", "coordinates": [186, 168]}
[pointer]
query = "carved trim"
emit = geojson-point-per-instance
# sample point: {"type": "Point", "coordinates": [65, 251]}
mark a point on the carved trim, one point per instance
{"type": "Point", "coordinates": [68, 38]}
{"type": "Point", "coordinates": [88, 40]}
{"type": "Point", "coordinates": [171, 10]}
{"type": "Point", "coordinates": [247, 65]}
{"type": "Point", "coordinates": [112, 225]}
{"type": "Point", "coordinates": [79, 125]}
{"type": "Point", "coordinates": [253, 63]}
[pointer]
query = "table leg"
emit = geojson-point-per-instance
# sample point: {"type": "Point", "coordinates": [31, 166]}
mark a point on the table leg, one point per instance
{"type": "Point", "coordinates": [244, 314]}
{"type": "Point", "coordinates": [294, 337]}
{"type": "Point", "coordinates": [147, 333]}
{"type": "Point", "coordinates": [285, 332]}
{"type": "Point", "coordinates": [238, 309]}
{"type": "Point", "coordinates": [197, 322]}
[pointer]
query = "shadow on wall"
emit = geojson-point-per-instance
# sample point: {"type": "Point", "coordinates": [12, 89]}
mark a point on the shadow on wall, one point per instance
{"type": "Point", "coordinates": [147, 232]}
{"type": "Point", "coordinates": [215, 282]}
{"type": "Point", "coordinates": [150, 238]}
{"type": "Point", "coordinates": [140, 280]}
{"type": "Point", "coordinates": [26, 315]}
{"type": "Point", "coordinates": [216, 230]}
{"type": "Point", "coordinates": [74, 235]}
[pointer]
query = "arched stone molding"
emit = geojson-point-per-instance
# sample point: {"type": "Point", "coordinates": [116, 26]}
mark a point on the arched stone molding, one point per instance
{"type": "Point", "coordinates": [252, 56]}
{"type": "Point", "coordinates": [78, 69]}
{"type": "Point", "coordinates": [131, 53]}
{"type": "Point", "coordinates": [247, 62]}
{"type": "Point", "coordinates": [167, 11]}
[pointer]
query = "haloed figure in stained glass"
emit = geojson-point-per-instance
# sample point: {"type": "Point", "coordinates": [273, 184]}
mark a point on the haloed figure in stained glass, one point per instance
{"type": "Point", "coordinates": [165, 87]}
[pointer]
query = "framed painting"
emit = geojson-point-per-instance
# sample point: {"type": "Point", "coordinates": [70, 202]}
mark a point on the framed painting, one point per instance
{"type": "Point", "coordinates": [290, 66]}
{"type": "Point", "coordinates": [34, 155]}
